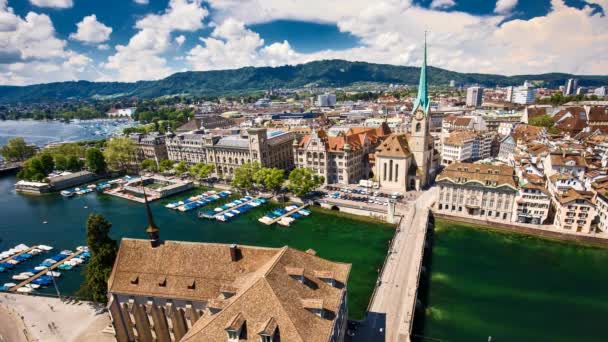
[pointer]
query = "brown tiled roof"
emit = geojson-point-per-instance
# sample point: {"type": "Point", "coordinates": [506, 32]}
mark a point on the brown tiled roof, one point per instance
{"type": "Point", "coordinates": [355, 137]}
{"type": "Point", "coordinates": [458, 138]}
{"type": "Point", "coordinates": [573, 124]}
{"type": "Point", "coordinates": [264, 289]}
{"type": "Point", "coordinates": [572, 195]}
{"type": "Point", "coordinates": [487, 175]}
{"type": "Point", "coordinates": [462, 122]}
{"type": "Point", "coordinates": [598, 114]}
{"type": "Point", "coordinates": [395, 145]}
{"type": "Point", "coordinates": [526, 133]}
{"type": "Point", "coordinates": [561, 159]}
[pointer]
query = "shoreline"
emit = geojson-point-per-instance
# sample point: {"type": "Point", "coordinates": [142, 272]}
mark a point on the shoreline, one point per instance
{"type": "Point", "coordinates": [542, 235]}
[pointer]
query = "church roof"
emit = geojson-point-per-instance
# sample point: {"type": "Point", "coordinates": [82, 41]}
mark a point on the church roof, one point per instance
{"type": "Point", "coordinates": [395, 145]}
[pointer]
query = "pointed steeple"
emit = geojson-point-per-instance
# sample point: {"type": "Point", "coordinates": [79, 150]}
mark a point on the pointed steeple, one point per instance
{"type": "Point", "coordinates": [423, 97]}
{"type": "Point", "coordinates": [152, 230]}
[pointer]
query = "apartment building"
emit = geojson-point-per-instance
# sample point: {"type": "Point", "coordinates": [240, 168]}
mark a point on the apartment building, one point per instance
{"type": "Point", "coordinates": [477, 191]}
{"type": "Point", "coordinates": [574, 211]}
{"type": "Point", "coordinates": [341, 159]}
{"type": "Point", "coordinates": [532, 204]}
{"type": "Point", "coordinates": [601, 206]}
{"type": "Point", "coordinates": [465, 146]}
{"type": "Point", "coordinates": [227, 153]}
{"type": "Point", "coordinates": [565, 162]}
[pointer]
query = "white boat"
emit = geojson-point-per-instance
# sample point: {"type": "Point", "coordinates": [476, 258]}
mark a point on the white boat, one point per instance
{"type": "Point", "coordinates": [33, 286]}
{"type": "Point", "coordinates": [66, 252]}
{"type": "Point", "coordinates": [28, 274]}
{"type": "Point", "coordinates": [25, 289]}
{"type": "Point", "coordinates": [49, 261]}
{"type": "Point", "coordinates": [45, 247]}
{"type": "Point", "coordinates": [82, 248]}
{"type": "Point", "coordinates": [229, 214]}
{"type": "Point", "coordinates": [221, 218]}
{"type": "Point", "coordinates": [13, 261]}
{"type": "Point", "coordinates": [66, 193]}
{"type": "Point", "coordinates": [19, 277]}
{"type": "Point", "coordinates": [53, 274]}
{"type": "Point", "coordinates": [218, 210]}
{"type": "Point", "coordinates": [40, 268]}
{"type": "Point", "coordinates": [9, 284]}
{"type": "Point", "coordinates": [304, 212]}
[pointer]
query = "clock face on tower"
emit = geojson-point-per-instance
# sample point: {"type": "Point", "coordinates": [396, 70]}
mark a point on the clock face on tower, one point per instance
{"type": "Point", "coordinates": [419, 114]}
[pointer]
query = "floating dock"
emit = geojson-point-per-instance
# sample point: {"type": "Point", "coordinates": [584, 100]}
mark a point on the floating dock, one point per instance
{"type": "Point", "coordinates": [289, 213]}
{"type": "Point", "coordinates": [43, 272]}
{"type": "Point", "coordinates": [14, 255]}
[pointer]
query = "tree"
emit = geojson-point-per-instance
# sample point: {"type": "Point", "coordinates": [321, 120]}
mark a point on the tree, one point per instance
{"type": "Point", "coordinates": [181, 167]}
{"type": "Point", "coordinates": [47, 164]}
{"type": "Point", "coordinates": [17, 149]}
{"type": "Point", "coordinates": [166, 165]}
{"type": "Point", "coordinates": [270, 178]}
{"type": "Point", "coordinates": [61, 162]}
{"type": "Point", "coordinates": [200, 170]}
{"type": "Point", "coordinates": [303, 180]}
{"type": "Point", "coordinates": [542, 121]}
{"type": "Point", "coordinates": [119, 153]}
{"type": "Point", "coordinates": [95, 161]}
{"type": "Point", "coordinates": [243, 175]}
{"type": "Point", "coordinates": [103, 253]}
{"type": "Point", "coordinates": [73, 163]}
{"type": "Point", "coordinates": [149, 165]}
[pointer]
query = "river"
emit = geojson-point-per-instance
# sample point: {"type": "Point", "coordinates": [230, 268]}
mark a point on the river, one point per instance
{"type": "Point", "coordinates": [333, 235]}
{"type": "Point", "coordinates": [513, 287]}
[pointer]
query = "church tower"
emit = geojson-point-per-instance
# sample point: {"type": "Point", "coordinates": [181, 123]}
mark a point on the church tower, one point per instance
{"type": "Point", "coordinates": [421, 141]}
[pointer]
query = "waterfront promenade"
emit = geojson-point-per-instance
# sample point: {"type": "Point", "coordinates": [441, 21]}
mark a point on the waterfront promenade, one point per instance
{"type": "Point", "coordinates": [391, 312]}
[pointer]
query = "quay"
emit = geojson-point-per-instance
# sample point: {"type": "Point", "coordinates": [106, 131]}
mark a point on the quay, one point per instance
{"type": "Point", "coordinates": [207, 216]}
{"type": "Point", "coordinates": [277, 219]}
{"type": "Point", "coordinates": [43, 272]}
{"type": "Point", "coordinates": [9, 167]}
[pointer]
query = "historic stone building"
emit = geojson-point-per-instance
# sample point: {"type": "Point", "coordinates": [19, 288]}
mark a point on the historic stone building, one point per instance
{"type": "Point", "coordinates": [150, 146]}
{"type": "Point", "coordinates": [227, 153]}
{"type": "Point", "coordinates": [477, 191]}
{"type": "Point", "coordinates": [183, 291]}
{"type": "Point", "coordinates": [410, 161]}
{"type": "Point", "coordinates": [341, 159]}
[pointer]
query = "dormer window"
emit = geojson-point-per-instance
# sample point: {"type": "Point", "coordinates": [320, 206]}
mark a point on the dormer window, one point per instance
{"type": "Point", "coordinates": [134, 280]}
{"type": "Point", "coordinates": [296, 273]}
{"type": "Point", "coordinates": [236, 328]}
{"type": "Point", "coordinates": [327, 277]}
{"type": "Point", "coordinates": [314, 305]}
{"type": "Point", "coordinates": [269, 331]}
{"type": "Point", "coordinates": [163, 282]}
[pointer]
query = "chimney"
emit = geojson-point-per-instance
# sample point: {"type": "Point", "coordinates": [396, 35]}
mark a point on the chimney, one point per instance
{"type": "Point", "coordinates": [234, 252]}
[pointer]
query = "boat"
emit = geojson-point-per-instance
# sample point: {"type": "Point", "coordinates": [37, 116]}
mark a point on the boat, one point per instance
{"type": "Point", "coordinates": [28, 274]}
{"type": "Point", "coordinates": [10, 284]}
{"type": "Point", "coordinates": [221, 218]}
{"type": "Point", "coordinates": [33, 286]}
{"type": "Point", "coordinates": [54, 274]}
{"type": "Point", "coordinates": [40, 268]}
{"type": "Point", "coordinates": [304, 212]}
{"type": "Point", "coordinates": [45, 247]}
{"type": "Point", "coordinates": [20, 277]}
{"type": "Point", "coordinates": [67, 193]}
{"type": "Point", "coordinates": [25, 290]}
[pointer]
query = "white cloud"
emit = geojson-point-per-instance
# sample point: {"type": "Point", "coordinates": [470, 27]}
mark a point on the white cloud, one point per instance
{"type": "Point", "coordinates": [442, 4]}
{"type": "Point", "coordinates": [142, 2]}
{"type": "Point", "coordinates": [30, 52]}
{"type": "Point", "coordinates": [180, 40]}
{"type": "Point", "coordinates": [142, 57]}
{"type": "Point", "coordinates": [53, 3]}
{"type": "Point", "coordinates": [505, 6]}
{"type": "Point", "coordinates": [91, 31]}
{"type": "Point", "coordinates": [103, 47]}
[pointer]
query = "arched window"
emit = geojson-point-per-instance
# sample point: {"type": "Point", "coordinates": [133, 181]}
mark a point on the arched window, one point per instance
{"type": "Point", "coordinates": [418, 127]}
{"type": "Point", "coordinates": [384, 173]}
{"type": "Point", "coordinates": [390, 171]}
{"type": "Point", "coordinates": [396, 172]}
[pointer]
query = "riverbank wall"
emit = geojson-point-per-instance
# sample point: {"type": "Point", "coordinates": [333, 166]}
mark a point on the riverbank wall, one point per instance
{"type": "Point", "coordinates": [523, 229]}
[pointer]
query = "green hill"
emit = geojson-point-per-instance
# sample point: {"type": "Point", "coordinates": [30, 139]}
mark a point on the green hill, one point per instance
{"type": "Point", "coordinates": [329, 73]}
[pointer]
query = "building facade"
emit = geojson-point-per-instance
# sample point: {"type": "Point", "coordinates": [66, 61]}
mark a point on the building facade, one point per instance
{"type": "Point", "coordinates": [227, 153]}
{"type": "Point", "coordinates": [474, 97]}
{"type": "Point", "coordinates": [150, 146]}
{"type": "Point", "coordinates": [532, 204]}
{"type": "Point", "coordinates": [478, 191]}
{"type": "Point", "coordinates": [574, 211]}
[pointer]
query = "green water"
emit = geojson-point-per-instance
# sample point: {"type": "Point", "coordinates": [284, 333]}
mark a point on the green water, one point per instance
{"type": "Point", "coordinates": [513, 288]}
{"type": "Point", "coordinates": [333, 236]}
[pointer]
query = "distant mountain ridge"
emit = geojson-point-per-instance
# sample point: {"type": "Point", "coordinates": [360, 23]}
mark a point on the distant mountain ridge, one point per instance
{"type": "Point", "coordinates": [327, 73]}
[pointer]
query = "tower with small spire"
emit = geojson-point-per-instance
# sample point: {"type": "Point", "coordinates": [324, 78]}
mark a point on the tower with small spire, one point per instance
{"type": "Point", "coordinates": [152, 230]}
{"type": "Point", "coordinates": [421, 141]}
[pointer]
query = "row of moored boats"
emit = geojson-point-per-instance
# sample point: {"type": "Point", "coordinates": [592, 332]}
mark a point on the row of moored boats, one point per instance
{"type": "Point", "coordinates": [19, 254]}
{"type": "Point", "coordinates": [198, 201]}
{"type": "Point", "coordinates": [233, 209]}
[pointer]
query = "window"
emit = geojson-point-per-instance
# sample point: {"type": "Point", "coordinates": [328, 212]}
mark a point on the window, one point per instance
{"type": "Point", "coordinates": [396, 172]}
{"type": "Point", "coordinates": [418, 127]}
{"type": "Point", "coordinates": [390, 171]}
{"type": "Point", "coordinates": [384, 177]}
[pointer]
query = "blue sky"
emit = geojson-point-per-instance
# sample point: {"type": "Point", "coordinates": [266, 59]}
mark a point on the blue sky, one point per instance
{"type": "Point", "coordinates": [129, 40]}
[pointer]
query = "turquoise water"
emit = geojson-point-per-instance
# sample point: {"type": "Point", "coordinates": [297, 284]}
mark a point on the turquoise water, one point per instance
{"type": "Point", "coordinates": [514, 288]}
{"type": "Point", "coordinates": [362, 243]}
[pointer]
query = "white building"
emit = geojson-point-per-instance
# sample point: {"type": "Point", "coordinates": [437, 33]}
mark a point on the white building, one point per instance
{"type": "Point", "coordinates": [532, 204]}
{"type": "Point", "coordinates": [523, 95]}
{"type": "Point", "coordinates": [124, 112]}
{"type": "Point", "coordinates": [474, 96]}
{"type": "Point", "coordinates": [571, 86]}
{"type": "Point", "coordinates": [600, 91]}
{"type": "Point", "coordinates": [601, 206]}
{"type": "Point", "coordinates": [326, 100]}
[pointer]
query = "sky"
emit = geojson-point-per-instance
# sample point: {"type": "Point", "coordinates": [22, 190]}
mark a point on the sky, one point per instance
{"type": "Point", "coordinates": [45, 41]}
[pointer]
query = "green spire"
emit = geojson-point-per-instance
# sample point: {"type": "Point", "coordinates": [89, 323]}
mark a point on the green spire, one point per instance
{"type": "Point", "coordinates": [423, 96]}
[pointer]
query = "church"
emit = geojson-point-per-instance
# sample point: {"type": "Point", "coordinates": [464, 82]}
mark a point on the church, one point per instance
{"type": "Point", "coordinates": [408, 161]}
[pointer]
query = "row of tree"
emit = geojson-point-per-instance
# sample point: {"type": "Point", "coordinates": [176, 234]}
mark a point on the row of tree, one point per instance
{"type": "Point", "coordinates": [252, 176]}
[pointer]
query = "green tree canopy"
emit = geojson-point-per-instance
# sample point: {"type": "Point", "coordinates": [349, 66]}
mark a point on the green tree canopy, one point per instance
{"type": "Point", "coordinates": [119, 153]}
{"type": "Point", "coordinates": [244, 175]}
{"type": "Point", "coordinates": [73, 163]}
{"type": "Point", "coordinates": [61, 162]}
{"type": "Point", "coordinates": [103, 253]}
{"type": "Point", "coordinates": [95, 160]}
{"type": "Point", "coordinates": [181, 167]}
{"type": "Point", "coordinates": [16, 149]}
{"type": "Point", "coordinates": [304, 180]}
{"type": "Point", "coordinates": [149, 165]}
{"type": "Point", "coordinates": [201, 170]}
{"type": "Point", "coordinates": [166, 165]}
{"type": "Point", "coordinates": [270, 178]}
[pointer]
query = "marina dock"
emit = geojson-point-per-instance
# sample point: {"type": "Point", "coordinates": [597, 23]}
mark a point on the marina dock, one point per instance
{"type": "Point", "coordinates": [289, 213]}
{"type": "Point", "coordinates": [43, 272]}
{"type": "Point", "coordinates": [229, 209]}
{"type": "Point", "coordinates": [14, 255]}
